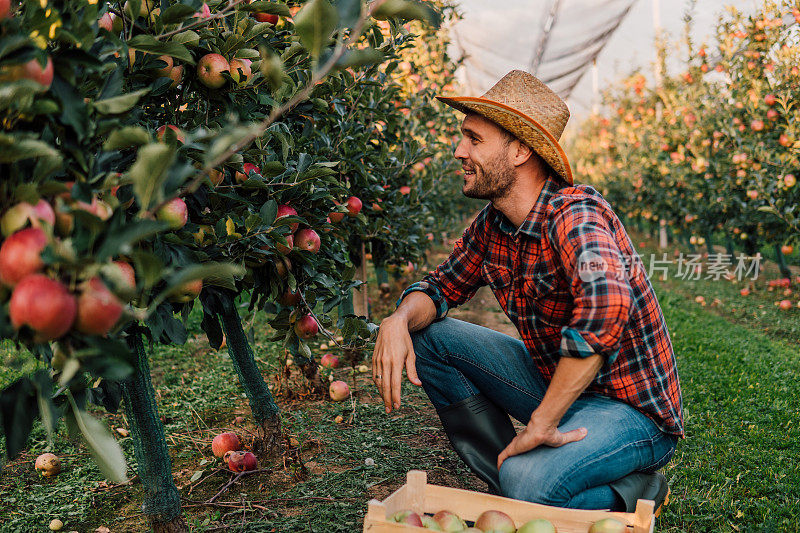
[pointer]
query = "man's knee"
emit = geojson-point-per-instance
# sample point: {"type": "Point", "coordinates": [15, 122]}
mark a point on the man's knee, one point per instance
{"type": "Point", "coordinates": [525, 478]}
{"type": "Point", "coordinates": [429, 341]}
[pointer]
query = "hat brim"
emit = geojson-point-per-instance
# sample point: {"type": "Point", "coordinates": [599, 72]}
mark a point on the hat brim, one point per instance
{"type": "Point", "coordinates": [524, 127]}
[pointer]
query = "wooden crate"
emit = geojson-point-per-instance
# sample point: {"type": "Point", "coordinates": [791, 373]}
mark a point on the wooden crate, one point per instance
{"type": "Point", "coordinates": [420, 497]}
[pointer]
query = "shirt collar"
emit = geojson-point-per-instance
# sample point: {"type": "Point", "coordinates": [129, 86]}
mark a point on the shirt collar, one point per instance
{"type": "Point", "coordinates": [532, 225]}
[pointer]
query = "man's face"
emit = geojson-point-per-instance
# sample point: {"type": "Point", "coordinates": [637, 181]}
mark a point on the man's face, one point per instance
{"type": "Point", "coordinates": [483, 151]}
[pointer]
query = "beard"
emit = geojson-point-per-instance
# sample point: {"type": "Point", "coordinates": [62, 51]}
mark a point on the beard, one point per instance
{"type": "Point", "coordinates": [492, 180]}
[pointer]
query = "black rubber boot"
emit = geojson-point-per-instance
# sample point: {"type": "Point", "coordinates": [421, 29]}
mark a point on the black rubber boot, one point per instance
{"type": "Point", "coordinates": [478, 431]}
{"type": "Point", "coordinates": [641, 486]}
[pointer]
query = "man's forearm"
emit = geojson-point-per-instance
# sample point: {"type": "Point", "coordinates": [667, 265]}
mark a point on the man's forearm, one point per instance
{"type": "Point", "coordinates": [571, 378]}
{"type": "Point", "coordinates": [417, 310]}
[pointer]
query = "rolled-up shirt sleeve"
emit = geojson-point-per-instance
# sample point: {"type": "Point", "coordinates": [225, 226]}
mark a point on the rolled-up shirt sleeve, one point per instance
{"type": "Point", "coordinates": [599, 285]}
{"type": "Point", "coordinates": [458, 278]}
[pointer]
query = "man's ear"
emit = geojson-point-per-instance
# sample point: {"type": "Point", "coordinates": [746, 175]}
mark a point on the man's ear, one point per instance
{"type": "Point", "coordinates": [521, 154]}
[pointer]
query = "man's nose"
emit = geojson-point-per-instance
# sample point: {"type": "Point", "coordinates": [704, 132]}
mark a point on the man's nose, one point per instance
{"type": "Point", "coordinates": [461, 151]}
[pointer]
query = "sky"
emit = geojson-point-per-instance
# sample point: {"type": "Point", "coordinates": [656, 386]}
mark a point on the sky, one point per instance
{"type": "Point", "coordinates": [502, 35]}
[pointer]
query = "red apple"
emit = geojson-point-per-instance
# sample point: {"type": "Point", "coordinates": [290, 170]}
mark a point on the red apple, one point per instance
{"type": "Point", "coordinates": [496, 521]}
{"type": "Point", "coordinates": [242, 462]}
{"type": "Point", "coordinates": [286, 211]}
{"type": "Point", "coordinates": [787, 249]}
{"type": "Point", "coordinates": [241, 177]}
{"type": "Point", "coordinates": [784, 140]}
{"type": "Point", "coordinates": [789, 180]}
{"type": "Point", "coordinates": [744, 292]}
{"type": "Point", "coordinates": [127, 273]}
{"type": "Point", "coordinates": [21, 214]}
{"type": "Point", "coordinates": [165, 71]}
{"type": "Point", "coordinates": [329, 361]}
{"type": "Point", "coordinates": [44, 304]}
{"type": "Point", "coordinates": [266, 17]}
{"type": "Point", "coordinates": [98, 308]}
{"type": "Point", "coordinates": [176, 74]}
{"type": "Point", "coordinates": [21, 255]}
{"type": "Point", "coordinates": [353, 206]}
{"type": "Point", "coordinates": [306, 327]}
{"type": "Point", "coordinates": [339, 391]}
{"type": "Point", "coordinates": [5, 9]}
{"type": "Point", "coordinates": [162, 131]}
{"type": "Point", "coordinates": [307, 239]}
{"type": "Point", "coordinates": [406, 517]}
{"type": "Point", "coordinates": [186, 292]}
{"type": "Point", "coordinates": [785, 305]}
{"type": "Point", "coordinates": [405, 189]}
{"type": "Point", "coordinates": [757, 125]}
{"type": "Point", "coordinates": [752, 194]}
{"type": "Point", "coordinates": [770, 99]}
{"type": "Point", "coordinates": [285, 249]}
{"type": "Point", "coordinates": [449, 521]}
{"type": "Point", "coordinates": [110, 22]}
{"type": "Point", "coordinates": [335, 216]}
{"type": "Point", "coordinates": [174, 213]}
{"type": "Point", "coordinates": [32, 70]}
{"type": "Point", "coordinates": [225, 442]}
{"type": "Point", "coordinates": [240, 70]}
{"type": "Point", "coordinates": [289, 298]}
{"type": "Point", "coordinates": [210, 69]}
{"type": "Point", "coordinates": [48, 464]}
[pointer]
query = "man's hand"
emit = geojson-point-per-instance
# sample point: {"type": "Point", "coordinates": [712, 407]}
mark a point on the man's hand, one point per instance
{"type": "Point", "coordinates": [393, 350]}
{"type": "Point", "coordinates": [538, 433]}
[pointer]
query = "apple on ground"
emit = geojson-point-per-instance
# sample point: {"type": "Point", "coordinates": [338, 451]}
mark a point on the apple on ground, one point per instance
{"type": "Point", "coordinates": [174, 213]}
{"type": "Point", "coordinates": [353, 206]}
{"type": "Point", "coordinates": [329, 361]}
{"type": "Point", "coordinates": [539, 525]}
{"type": "Point", "coordinates": [225, 442]}
{"type": "Point", "coordinates": [55, 524]}
{"type": "Point", "coordinates": [287, 211]}
{"type": "Point", "coordinates": [449, 521]}
{"type": "Point", "coordinates": [21, 255]}
{"type": "Point", "coordinates": [497, 521]}
{"type": "Point", "coordinates": [406, 516]}
{"type": "Point", "coordinates": [43, 304]}
{"type": "Point", "coordinates": [48, 464]}
{"type": "Point", "coordinates": [785, 305]}
{"type": "Point", "coordinates": [339, 391]}
{"type": "Point", "coordinates": [306, 327]}
{"type": "Point", "coordinates": [608, 525]}
{"type": "Point", "coordinates": [307, 239]}
{"type": "Point", "coordinates": [186, 292]}
{"type": "Point", "coordinates": [210, 69]}
{"type": "Point", "coordinates": [98, 308]}
{"type": "Point", "coordinates": [745, 291]}
{"type": "Point", "coordinates": [242, 461]}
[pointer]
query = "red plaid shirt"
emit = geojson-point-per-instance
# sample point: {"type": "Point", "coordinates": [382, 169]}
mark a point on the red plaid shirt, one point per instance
{"type": "Point", "coordinates": [570, 280]}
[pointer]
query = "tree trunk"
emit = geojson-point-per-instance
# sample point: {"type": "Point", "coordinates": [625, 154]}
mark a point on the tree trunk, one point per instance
{"type": "Point", "coordinates": [162, 502]}
{"type": "Point", "coordinates": [785, 272]}
{"type": "Point", "coordinates": [265, 411]}
{"type": "Point", "coordinates": [730, 248]}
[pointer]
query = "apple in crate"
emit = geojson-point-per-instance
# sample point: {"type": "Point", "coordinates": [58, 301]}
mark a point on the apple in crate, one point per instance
{"type": "Point", "coordinates": [496, 521]}
{"type": "Point", "coordinates": [406, 516]}
{"type": "Point", "coordinates": [429, 523]}
{"type": "Point", "coordinates": [608, 525]}
{"type": "Point", "coordinates": [540, 525]}
{"type": "Point", "coordinates": [449, 521]}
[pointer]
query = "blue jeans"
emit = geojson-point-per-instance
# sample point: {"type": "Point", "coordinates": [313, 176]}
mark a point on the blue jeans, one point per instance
{"type": "Point", "coordinates": [456, 360]}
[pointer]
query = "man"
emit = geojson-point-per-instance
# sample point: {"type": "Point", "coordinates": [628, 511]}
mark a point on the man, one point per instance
{"type": "Point", "coordinates": [594, 377]}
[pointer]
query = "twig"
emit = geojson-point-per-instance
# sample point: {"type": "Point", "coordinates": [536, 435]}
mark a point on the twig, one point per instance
{"type": "Point", "coordinates": [234, 480]}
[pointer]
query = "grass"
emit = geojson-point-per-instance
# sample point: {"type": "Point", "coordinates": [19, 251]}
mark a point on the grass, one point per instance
{"type": "Point", "coordinates": [737, 470]}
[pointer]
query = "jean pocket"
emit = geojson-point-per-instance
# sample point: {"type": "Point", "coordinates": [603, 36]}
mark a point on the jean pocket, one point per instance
{"type": "Point", "coordinates": [670, 442]}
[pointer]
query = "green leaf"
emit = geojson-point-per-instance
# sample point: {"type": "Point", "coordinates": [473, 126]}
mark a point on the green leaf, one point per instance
{"type": "Point", "coordinates": [119, 104]}
{"type": "Point", "coordinates": [272, 8]}
{"type": "Point", "coordinates": [187, 38]}
{"type": "Point", "coordinates": [149, 268]}
{"type": "Point", "coordinates": [126, 137]}
{"type": "Point", "coordinates": [349, 12]}
{"type": "Point", "coordinates": [149, 172]}
{"type": "Point", "coordinates": [268, 212]}
{"type": "Point", "coordinates": [19, 94]}
{"type": "Point", "coordinates": [104, 448]}
{"type": "Point", "coordinates": [148, 43]}
{"type": "Point", "coordinates": [14, 148]}
{"type": "Point", "coordinates": [17, 411]}
{"type": "Point", "coordinates": [197, 474]}
{"type": "Point", "coordinates": [177, 13]}
{"type": "Point", "coordinates": [247, 53]}
{"type": "Point", "coordinates": [44, 398]}
{"type": "Point", "coordinates": [122, 238]}
{"type": "Point", "coordinates": [360, 58]}
{"type": "Point", "coordinates": [314, 24]}
{"type": "Point", "coordinates": [405, 9]}
{"type": "Point", "coordinates": [220, 274]}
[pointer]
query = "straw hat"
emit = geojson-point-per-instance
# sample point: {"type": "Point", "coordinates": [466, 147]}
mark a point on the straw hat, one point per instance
{"type": "Point", "coordinates": [528, 109]}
